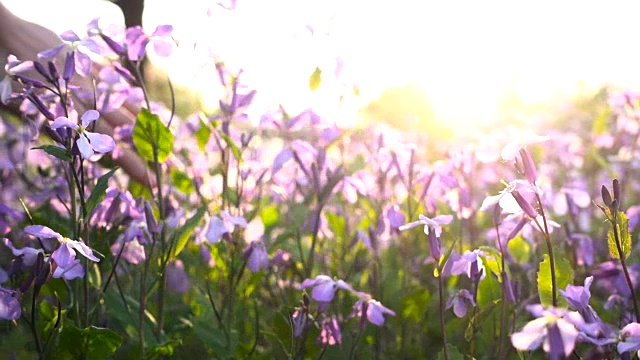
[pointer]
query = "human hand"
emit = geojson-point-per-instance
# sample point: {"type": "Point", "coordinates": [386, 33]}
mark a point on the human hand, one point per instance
{"type": "Point", "coordinates": [25, 40]}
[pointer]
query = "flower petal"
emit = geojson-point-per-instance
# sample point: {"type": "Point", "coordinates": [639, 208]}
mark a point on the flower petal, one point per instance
{"type": "Point", "coordinates": [89, 117]}
{"type": "Point", "coordinates": [84, 146]}
{"type": "Point", "coordinates": [100, 142]}
{"type": "Point", "coordinates": [64, 255]}
{"type": "Point", "coordinates": [42, 231]}
{"type": "Point", "coordinates": [84, 250]}
{"type": "Point", "coordinates": [63, 122]}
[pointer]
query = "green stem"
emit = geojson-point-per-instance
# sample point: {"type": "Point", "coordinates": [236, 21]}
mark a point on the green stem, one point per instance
{"type": "Point", "coordinates": [552, 263]}
{"type": "Point", "coordinates": [442, 323]}
{"type": "Point", "coordinates": [624, 267]}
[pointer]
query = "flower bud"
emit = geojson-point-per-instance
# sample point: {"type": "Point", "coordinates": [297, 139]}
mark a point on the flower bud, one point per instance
{"type": "Point", "coordinates": [529, 167]}
{"type": "Point", "coordinates": [41, 70]}
{"type": "Point", "coordinates": [616, 191]}
{"type": "Point", "coordinates": [606, 196]}
{"type": "Point", "coordinates": [69, 67]}
{"type": "Point", "coordinates": [524, 204]}
{"type": "Point", "coordinates": [53, 70]}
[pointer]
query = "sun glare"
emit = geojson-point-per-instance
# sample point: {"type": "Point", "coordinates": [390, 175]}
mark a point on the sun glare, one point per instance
{"type": "Point", "coordinates": [469, 57]}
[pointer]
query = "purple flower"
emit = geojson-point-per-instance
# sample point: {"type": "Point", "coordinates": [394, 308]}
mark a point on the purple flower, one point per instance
{"type": "Point", "coordinates": [66, 253]}
{"type": "Point", "coordinates": [79, 48]}
{"type": "Point", "coordinates": [219, 226]}
{"type": "Point", "coordinates": [13, 67]}
{"type": "Point", "coordinates": [137, 41]}
{"type": "Point", "coordinates": [330, 333]}
{"type": "Point", "coordinates": [557, 330]}
{"type": "Point", "coordinates": [505, 198]}
{"type": "Point", "coordinates": [578, 296]}
{"type": "Point", "coordinates": [372, 309]}
{"type": "Point", "coordinates": [177, 278]}
{"type": "Point", "coordinates": [88, 143]}
{"type": "Point", "coordinates": [299, 320]}
{"type": "Point", "coordinates": [469, 263]}
{"type": "Point", "coordinates": [434, 224]}
{"type": "Point", "coordinates": [629, 338]}
{"type": "Point", "coordinates": [324, 287]}
{"type": "Point", "coordinates": [9, 305]}
{"type": "Point", "coordinates": [71, 271]}
{"type": "Point", "coordinates": [29, 255]}
{"type": "Point", "coordinates": [256, 256]}
{"type": "Point", "coordinates": [460, 301]}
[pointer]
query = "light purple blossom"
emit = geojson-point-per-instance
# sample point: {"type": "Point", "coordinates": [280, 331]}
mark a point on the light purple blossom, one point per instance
{"type": "Point", "coordinates": [9, 305]}
{"type": "Point", "coordinates": [66, 253]}
{"type": "Point", "coordinates": [137, 41]}
{"type": "Point", "coordinates": [372, 309]}
{"type": "Point", "coordinates": [434, 224]}
{"type": "Point", "coordinates": [88, 143]}
{"type": "Point", "coordinates": [629, 338]}
{"type": "Point", "coordinates": [578, 296]}
{"type": "Point", "coordinates": [557, 330]}
{"type": "Point", "coordinates": [330, 333]}
{"type": "Point", "coordinates": [324, 287]}
{"type": "Point", "coordinates": [13, 67]}
{"type": "Point", "coordinates": [29, 254]}
{"type": "Point", "coordinates": [177, 278]}
{"type": "Point", "coordinates": [80, 48]}
{"type": "Point", "coordinates": [226, 224]}
{"type": "Point", "coordinates": [256, 256]}
{"type": "Point", "coordinates": [460, 301]}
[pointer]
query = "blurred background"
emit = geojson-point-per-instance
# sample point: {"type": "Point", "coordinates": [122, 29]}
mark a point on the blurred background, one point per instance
{"type": "Point", "coordinates": [455, 68]}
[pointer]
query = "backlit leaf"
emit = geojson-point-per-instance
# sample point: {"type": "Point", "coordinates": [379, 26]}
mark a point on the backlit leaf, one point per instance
{"type": "Point", "coordinates": [151, 135]}
{"type": "Point", "coordinates": [564, 277]}
{"type": "Point", "coordinates": [623, 236]}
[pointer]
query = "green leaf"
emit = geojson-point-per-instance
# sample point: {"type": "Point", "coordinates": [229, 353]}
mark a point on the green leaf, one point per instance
{"type": "Point", "coordinates": [453, 352]}
{"type": "Point", "coordinates": [520, 250]}
{"type": "Point", "coordinates": [564, 277]}
{"type": "Point", "coordinates": [202, 135]}
{"type": "Point", "coordinates": [90, 343]}
{"type": "Point", "coordinates": [234, 148]}
{"type": "Point", "coordinates": [182, 181]}
{"type": "Point", "coordinates": [315, 79]}
{"type": "Point", "coordinates": [181, 236]}
{"type": "Point", "coordinates": [163, 350]}
{"type": "Point", "coordinates": [623, 236]}
{"type": "Point", "coordinates": [443, 260]}
{"type": "Point", "coordinates": [151, 136]}
{"type": "Point", "coordinates": [97, 195]}
{"type": "Point", "coordinates": [269, 215]}
{"type": "Point", "coordinates": [55, 151]}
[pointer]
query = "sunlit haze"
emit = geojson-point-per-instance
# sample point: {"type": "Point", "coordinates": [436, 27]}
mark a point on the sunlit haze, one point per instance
{"type": "Point", "coordinates": [473, 59]}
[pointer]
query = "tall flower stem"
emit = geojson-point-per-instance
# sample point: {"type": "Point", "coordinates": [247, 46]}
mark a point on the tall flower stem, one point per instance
{"type": "Point", "coordinates": [552, 263]}
{"type": "Point", "coordinates": [443, 327]}
{"type": "Point", "coordinates": [616, 236]}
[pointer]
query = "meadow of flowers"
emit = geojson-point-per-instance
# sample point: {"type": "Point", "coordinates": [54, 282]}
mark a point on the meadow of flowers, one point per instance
{"type": "Point", "coordinates": [289, 237]}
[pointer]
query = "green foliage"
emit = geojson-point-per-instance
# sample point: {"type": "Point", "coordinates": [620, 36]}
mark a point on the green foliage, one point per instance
{"type": "Point", "coordinates": [151, 137]}
{"type": "Point", "coordinates": [182, 181]}
{"type": "Point", "coordinates": [269, 215]}
{"type": "Point", "coordinates": [160, 351]}
{"type": "Point", "coordinates": [315, 79]}
{"type": "Point", "coordinates": [520, 250]}
{"type": "Point", "coordinates": [453, 353]}
{"type": "Point", "coordinates": [564, 277]}
{"type": "Point", "coordinates": [202, 135]}
{"type": "Point", "coordinates": [89, 343]}
{"type": "Point", "coordinates": [55, 151]}
{"type": "Point", "coordinates": [235, 150]}
{"type": "Point", "coordinates": [181, 236]}
{"type": "Point", "coordinates": [97, 195]}
{"type": "Point", "coordinates": [622, 228]}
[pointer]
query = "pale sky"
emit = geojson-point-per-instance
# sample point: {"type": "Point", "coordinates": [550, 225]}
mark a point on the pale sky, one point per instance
{"type": "Point", "coordinates": [467, 55]}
